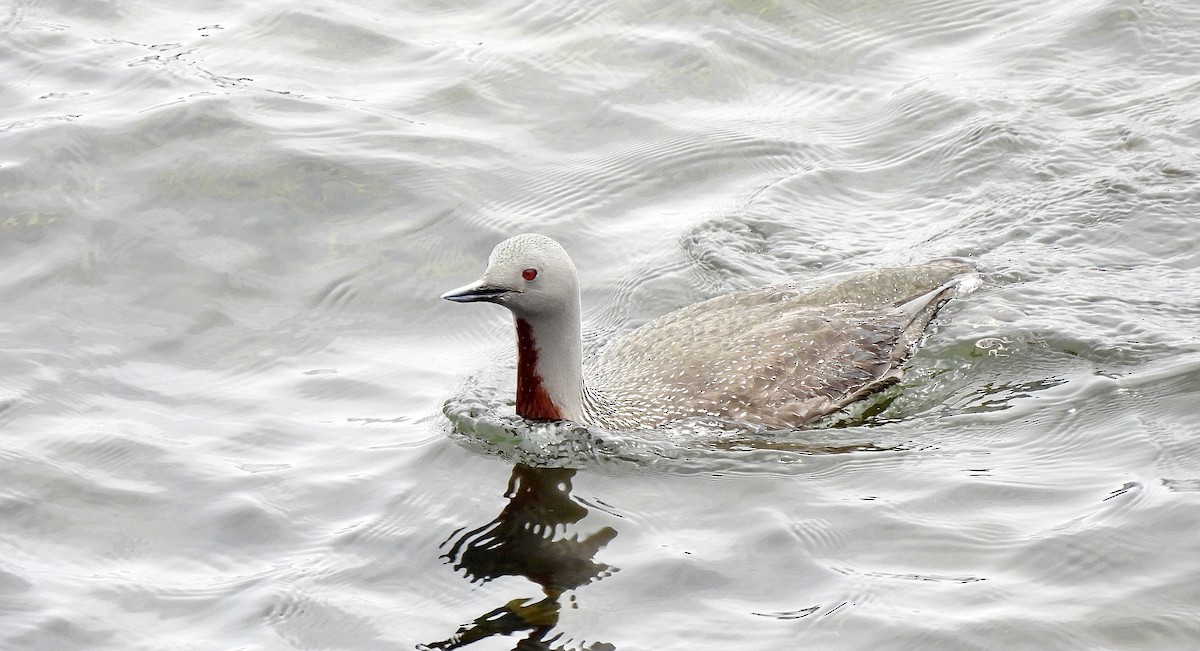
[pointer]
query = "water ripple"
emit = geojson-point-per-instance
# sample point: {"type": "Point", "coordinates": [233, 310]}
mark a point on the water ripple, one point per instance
{"type": "Point", "coordinates": [226, 229]}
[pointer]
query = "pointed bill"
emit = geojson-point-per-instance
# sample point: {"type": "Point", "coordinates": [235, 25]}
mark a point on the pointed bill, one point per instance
{"type": "Point", "coordinates": [476, 291]}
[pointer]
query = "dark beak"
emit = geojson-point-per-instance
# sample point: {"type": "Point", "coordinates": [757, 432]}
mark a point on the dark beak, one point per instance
{"type": "Point", "coordinates": [476, 291]}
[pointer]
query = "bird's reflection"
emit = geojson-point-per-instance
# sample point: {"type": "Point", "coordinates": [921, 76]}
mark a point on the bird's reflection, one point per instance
{"type": "Point", "coordinates": [529, 539]}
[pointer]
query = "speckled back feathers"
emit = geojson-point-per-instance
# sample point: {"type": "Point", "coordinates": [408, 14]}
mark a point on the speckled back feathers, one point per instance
{"type": "Point", "coordinates": [776, 357]}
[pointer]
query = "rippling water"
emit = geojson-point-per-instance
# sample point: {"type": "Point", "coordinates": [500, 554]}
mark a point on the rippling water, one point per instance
{"type": "Point", "coordinates": [234, 413]}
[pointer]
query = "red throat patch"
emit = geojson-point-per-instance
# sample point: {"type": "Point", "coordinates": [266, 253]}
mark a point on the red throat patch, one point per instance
{"type": "Point", "coordinates": [532, 400]}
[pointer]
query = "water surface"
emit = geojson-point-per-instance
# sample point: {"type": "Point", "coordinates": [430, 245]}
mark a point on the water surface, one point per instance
{"type": "Point", "coordinates": [225, 420]}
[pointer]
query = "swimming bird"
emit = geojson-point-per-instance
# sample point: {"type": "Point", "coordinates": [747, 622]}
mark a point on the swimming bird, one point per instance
{"type": "Point", "coordinates": [775, 357]}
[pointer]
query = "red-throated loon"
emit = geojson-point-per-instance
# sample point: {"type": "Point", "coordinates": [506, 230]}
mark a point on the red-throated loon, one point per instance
{"type": "Point", "coordinates": [774, 357]}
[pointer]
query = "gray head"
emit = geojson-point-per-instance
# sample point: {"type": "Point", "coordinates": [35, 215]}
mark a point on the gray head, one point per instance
{"type": "Point", "coordinates": [529, 274]}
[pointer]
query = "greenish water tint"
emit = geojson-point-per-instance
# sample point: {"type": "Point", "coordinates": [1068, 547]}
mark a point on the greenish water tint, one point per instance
{"type": "Point", "coordinates": [234, 413]}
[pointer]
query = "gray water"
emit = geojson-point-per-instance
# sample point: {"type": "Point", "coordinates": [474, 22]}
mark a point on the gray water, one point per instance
{"type": "Point", "coordinates": [235, 415]}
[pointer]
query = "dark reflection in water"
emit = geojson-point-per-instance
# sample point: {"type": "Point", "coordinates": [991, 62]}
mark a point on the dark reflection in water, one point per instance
{"type": "Point", "coordinates": [529, 539]}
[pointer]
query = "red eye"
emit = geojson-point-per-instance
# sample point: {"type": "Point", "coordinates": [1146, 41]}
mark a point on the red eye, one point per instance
{"type": "Point", "coordinates": [529, 274]}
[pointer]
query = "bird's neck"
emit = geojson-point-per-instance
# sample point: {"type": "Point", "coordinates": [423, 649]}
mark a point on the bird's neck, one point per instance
{"type": "Point", "coordinates": [550, 368]}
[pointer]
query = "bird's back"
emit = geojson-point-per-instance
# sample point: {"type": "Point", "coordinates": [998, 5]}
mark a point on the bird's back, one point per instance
{"type": "Point", "coordinates": [778, 356]}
